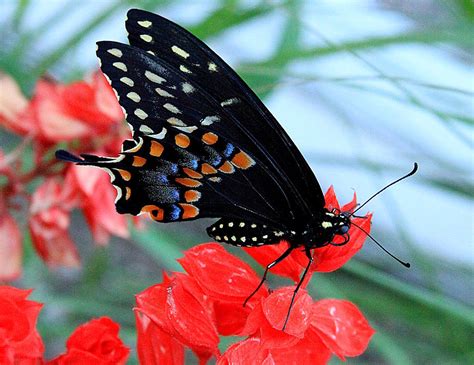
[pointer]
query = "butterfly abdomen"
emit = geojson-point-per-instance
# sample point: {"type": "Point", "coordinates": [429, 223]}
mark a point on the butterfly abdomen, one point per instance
{"type": "Point", "coordinates": [244, 233]}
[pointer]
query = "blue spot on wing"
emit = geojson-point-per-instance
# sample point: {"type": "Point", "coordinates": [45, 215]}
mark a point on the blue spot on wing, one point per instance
{"type": "Point", "coordinates": [229, 149]}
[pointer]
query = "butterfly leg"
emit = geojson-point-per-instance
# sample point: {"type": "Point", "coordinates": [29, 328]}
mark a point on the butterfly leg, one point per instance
{"type": "Point", "coordinates": [269, 266]}
{"type": "Point", "coordinates": [310, 261]}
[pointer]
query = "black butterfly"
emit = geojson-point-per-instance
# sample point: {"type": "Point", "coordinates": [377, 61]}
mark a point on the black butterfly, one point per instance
{"type": "Point", "coordinates": [204, 145]}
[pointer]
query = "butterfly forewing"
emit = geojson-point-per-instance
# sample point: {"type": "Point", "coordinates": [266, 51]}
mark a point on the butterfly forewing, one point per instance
{"type": "Point", "coordinates": [262, 133]}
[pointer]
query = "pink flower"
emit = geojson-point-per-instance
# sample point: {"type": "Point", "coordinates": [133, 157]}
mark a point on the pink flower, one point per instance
{"type": "Point", "coordinates": [49, 222]}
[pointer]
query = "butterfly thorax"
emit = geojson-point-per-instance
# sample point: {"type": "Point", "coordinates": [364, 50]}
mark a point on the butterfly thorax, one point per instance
{"type": "Point", "coordinates": [324, 228]}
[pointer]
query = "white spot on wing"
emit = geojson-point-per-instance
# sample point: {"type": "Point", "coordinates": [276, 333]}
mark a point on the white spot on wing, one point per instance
{"type": "Point", "coordinates": [160, 135]}
{"type": "Point", "coordinates": [176, 121]}
{"type": "Point", "coordinates": [120, 66]}
{"type": "Point", "coordinates": [127, 81]}
{"type": "Point", "coordinates": [212, 67]}
{"type": "Point", "coordinates": [115, 52]}
{"type": "Point", "coordinates": [144, 23]}
{"type": "Point", "coordinates": [146, 37]}
{"type": "Point", "coordinates": [145, 129]}
{"type": "Point", "coordinates": [140, 114]}
{"type": "Point", "coordinates": [180, 52]}
{"type": "Point", "coordinates": [210, 119]}
{"type": "Point", "coordinates": [184, 69]}
{"type": "Point", "coordinates": [163, 93]}
{"type": "Point", "coordinates": [189, 129]}
{"type": "Point", "coordinates": [187, 88]}
{"type": "Point", "coordinates": [230, 101]}
{"type": "Point", "coordinates": [154, 77]}
{"type": "Point", "coordinates": [134, 96]}
{"type": "Point", "coordinates": [172, 108]}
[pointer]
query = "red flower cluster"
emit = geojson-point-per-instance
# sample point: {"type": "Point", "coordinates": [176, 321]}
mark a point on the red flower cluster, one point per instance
{"type": "Point", "coordinates": [95, 342]}
{"type": "Point", "coordinates": [86, 116]}
{"type": "Point", "coordinates": [192, 310]}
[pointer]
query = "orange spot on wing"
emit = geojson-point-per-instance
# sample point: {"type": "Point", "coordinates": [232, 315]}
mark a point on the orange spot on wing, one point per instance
{"type": "Point", "coordinates": [182, 140]}
{"type": "Point", "coordinates": [227, 168]}
{"type": "Point", "coordinates": [156, 149]}
{"type": "Point", "coordinates": [156, 213]}
{"type": "Point", "coordinates": [209, 138]}
{"type": "Point", "coordinates": [190, 183]}
{"type": "Point", "coordinates": [243, 160]}
{"type": "Point", "coordinates": [207, 169]}
{"type": "Point", "coordinates": [128, 193]}
{"type": "Point", "coordinates": [138, 161]}
{"type": "Point", "coordinates": [192, 173]}
{"type": "Point", "coordinates": [192, 196]}
{"type": "Point", "coordinates": [189, 211]}
{"type": "Point", "coordinates": [126, 175]}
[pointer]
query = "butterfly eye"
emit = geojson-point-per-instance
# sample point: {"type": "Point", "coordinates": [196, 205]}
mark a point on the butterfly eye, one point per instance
{"type": "Point", "coordinates": [343, 229]}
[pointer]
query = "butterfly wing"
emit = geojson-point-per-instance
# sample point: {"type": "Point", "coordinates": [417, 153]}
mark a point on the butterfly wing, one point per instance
{"type": "Point", "coordinates": [259, 132]}
{"type": "Point", "coordinates": [203, 144]}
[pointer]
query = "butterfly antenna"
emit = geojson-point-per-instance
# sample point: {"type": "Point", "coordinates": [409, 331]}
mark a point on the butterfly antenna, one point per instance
{"type": "Point", "coordinates": [412, 172]}
{"type": "Point", "coordinates": [406, 264]}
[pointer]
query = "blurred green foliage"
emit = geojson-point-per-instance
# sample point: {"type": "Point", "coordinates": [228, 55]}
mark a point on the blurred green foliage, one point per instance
{"type": "Point", "coordinates": [418, 322]}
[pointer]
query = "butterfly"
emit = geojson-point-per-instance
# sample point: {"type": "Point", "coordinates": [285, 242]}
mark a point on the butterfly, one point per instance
{"type": "Point", "coordinates": [204, 145]}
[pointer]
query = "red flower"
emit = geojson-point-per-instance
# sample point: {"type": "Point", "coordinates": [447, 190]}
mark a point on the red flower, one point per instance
{"type": "Point", "coordinates": [341, 326]}
{"type": "Point", "coordinates": [333, 325]}
{"type": "Point", "coordinates": [20, 342]}
{"type": "Point", "coordinates": [227, 281]}
{"type": "Point", "coordinates": [12, 104]}
{"type": "Point", "coordinates": [155, 346]}
{"type": "Point", "coordinates": [190, 310]}
{"type": "Point", "coordinates": [326, 259]}
{"type": "Point", "coordinates": [10, 248]}
{"type": "Point", "coordinates": [49, 222]}
{"type": "Point", "coordinates": [96, 196]}
{"type": "Point", "coordinates": [178, 308]}
{"type": "Point", "coordinates": [61, 112]}
{"type": "Point", "coordinates": [95, 342]}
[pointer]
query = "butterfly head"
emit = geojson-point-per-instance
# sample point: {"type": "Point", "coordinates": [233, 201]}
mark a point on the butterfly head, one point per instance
{"type": "Point", "coordinates": [326, 227]}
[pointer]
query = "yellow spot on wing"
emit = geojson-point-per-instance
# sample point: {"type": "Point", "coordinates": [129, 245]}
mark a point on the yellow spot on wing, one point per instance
{"type": "Point", "coordinates": [243, 160]}
{"type": "Point", "coordinates": [189, 211]}
{"type": "Point", "coordinates": [156, 213]}
{"type": "Point", "coordinates": [207, 169]}
{"type": "Point", "coordinates": [182, 140]}
{"type": "Point", "coordinates": [227, 168]}
{"type": "Point", "coordinates": [138, 161]}
{"type": "Point", "coordinates": [126, 175]}
{"type": "Point", "coordinates": [192, 196]}
{"type": "Point", "coordinates": [128, 193]}
{"type": "Point", "coordinates": [156, 148]}
{"type": "Point", "coordinates": [209, 138]}
{"type": "Point", "coordinates": [190, 183]}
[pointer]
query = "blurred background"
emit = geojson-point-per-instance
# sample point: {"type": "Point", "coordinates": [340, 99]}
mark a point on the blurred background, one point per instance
{"type": "Point", "coordinates": [364, 88]}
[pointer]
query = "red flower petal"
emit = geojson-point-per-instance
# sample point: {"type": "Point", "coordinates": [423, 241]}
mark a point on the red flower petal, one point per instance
{"type": "Point", "coordinates": [95, 342]}
{"type": "Point", "coordinates": [11, 248]}
{"type": "Point", "coordinates": [12, 104]}
{"type": "Point", "coordinates": [266, 320]}
{"type": "Point", "coordinates": [246, 352]}
{"type": "Point", "coordinates": [178, 308]}
{"type": "Point", "coordinates": [331, 200]}
{"type": "Point", "coordinates": [276, 306]}
{"type": "Point", "coordinates": [155, 346]}
{"type": "Point", "coordinates": [308, 351]}
{"type": "Point", "coordinates": [19, 338]}
{"type": "Point", "coordinates": [266, 254]}
{"type": "Point", "coordinates": [231, 317]}
{"type": "Point", "coordinates": [49, 223]}
{"type": "Point", "coordinates": [341, 326]}
{"type": "Point", "coordinates": [220, 274]}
